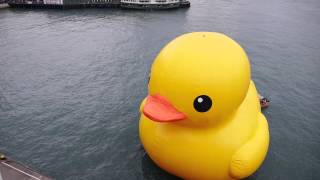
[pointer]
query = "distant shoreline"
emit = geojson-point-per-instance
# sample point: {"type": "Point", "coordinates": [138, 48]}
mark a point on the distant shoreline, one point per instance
{"type": "Point", "coordinates": [61, 4]}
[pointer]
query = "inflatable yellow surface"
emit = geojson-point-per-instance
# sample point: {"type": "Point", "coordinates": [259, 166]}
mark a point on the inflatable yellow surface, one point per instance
{"type": "Point", "coordinates": [202, 118]}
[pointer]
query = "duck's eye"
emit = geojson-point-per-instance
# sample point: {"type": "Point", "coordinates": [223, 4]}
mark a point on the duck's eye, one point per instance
{"type": "Point", "coordinates": [202, 103]}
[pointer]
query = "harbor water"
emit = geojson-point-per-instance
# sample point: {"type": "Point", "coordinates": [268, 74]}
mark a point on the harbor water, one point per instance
{"type": "Point", "coordinates": [71, 82]}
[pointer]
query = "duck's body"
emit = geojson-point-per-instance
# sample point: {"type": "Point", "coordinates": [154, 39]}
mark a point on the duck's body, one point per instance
{"type": "Point", "coordinates": [204, 153]}
{"type": "Point", "coordinates": [223, 145]}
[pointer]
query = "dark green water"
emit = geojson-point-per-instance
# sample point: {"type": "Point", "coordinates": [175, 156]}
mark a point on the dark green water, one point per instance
{"type": "Point", "coordinates": [71, 82]}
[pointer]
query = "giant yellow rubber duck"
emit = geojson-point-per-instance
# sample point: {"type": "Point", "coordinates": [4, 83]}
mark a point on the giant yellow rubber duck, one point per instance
{"type": "Point", "coordinates": [202, 118]}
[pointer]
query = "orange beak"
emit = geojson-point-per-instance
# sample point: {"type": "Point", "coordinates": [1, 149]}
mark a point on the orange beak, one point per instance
{"type": "Point", "coordinates": [158, 109]}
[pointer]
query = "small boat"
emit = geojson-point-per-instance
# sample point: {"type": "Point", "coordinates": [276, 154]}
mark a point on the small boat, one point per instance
{"type": "Point", "coordinates": [264, 102]}
{"type": "Point", "coordinates": [12, 170]}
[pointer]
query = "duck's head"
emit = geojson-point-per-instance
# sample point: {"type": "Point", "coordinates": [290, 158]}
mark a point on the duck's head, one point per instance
{"type": "Point", "coordinates": [198, 78]}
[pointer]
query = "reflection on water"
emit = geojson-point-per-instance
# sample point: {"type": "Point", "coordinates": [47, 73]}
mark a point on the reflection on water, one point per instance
{"type": "Point", "coordinates": [71, 82]}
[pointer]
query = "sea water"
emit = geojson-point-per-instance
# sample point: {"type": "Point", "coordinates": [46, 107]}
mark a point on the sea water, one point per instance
{"type": "Point", "coordinates": [71, 82]}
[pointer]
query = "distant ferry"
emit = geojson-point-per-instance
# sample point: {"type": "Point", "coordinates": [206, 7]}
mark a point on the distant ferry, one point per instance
{"type": "Point", "coordinates": [154, 4]}
{"type": "Point", "coordinates": [131, 4]}
{"type": "Point", "coordinates": [3, 4]}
